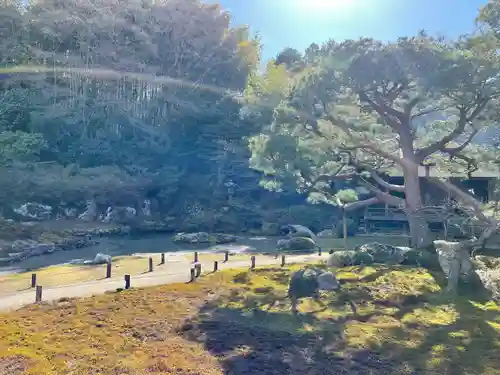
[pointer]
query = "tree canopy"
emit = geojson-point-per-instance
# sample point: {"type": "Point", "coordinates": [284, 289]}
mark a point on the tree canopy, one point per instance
{"type": "Point", "coordinates": [122, 99]}
{"type": "Point", "coordinates": [141, 88]}
{"type": "Point", "coordinates": [363, 110]}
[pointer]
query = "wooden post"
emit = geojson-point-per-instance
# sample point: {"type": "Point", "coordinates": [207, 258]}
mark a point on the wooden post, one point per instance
{"type": "Point", "coordinates": [127, 281]}
{"type": "Point", "coordinates": [162, 258]}
{"type": "Point", "coordinates": [33, 280]}
{"type": "Point", "coordinates": [226, 256]}
{"type": "Point", "coordinates": [319, 251]}
{"type": "Point", "coordinates": [282, 260]}
{"type": "Point", "coordinates": [150, 264]}
{"type": "Point", "coordinates": [38, 293]}
{"type": "Point", "coordinates": [108, 270]}
{"type": "Point", "coordinates": [216, 266]}
{"type": "Point", "coordinates": [252, 260]}
{"type": "Point", "coordinates": [198, 269]}
{"type": "Point", "coordinates": [344, 225]}
{"type": "Point", "coordinates": [195, 257]}
{"type": "Point", "coordinates": [193, 274]}
{"type": "Point", "coordinates": [276, 256]}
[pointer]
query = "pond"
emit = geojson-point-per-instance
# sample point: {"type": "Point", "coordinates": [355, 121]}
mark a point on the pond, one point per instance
{"type": "Point", "coordinates": [159, 243]}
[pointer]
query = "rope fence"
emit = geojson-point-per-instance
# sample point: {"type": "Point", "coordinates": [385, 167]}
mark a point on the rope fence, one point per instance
{"type": "Point", "coordinates": [195, 271]}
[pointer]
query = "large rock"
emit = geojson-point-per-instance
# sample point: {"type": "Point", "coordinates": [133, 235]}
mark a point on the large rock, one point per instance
{"type": "Point", "coordinates": [122, 215]}
{"type": "Point", "coordinates": [328, 281]}
{"type": "Point", "coordinates": [422, 258]}
{"type": "Point", "coordinates": [382, 253]}
{"type": "Point", "coordinates": [146, 211]}
{"type": "Point", "coordinates": [70, 212]}
{"type": "Point", "coordinates": [490, 279]}
{"type": "Point", "coordinates": [22, 249]}
{"type": "Point", "coordinates": [295, 230]}
{"type": "Point", "coordinates": [296, 244]}
{"type": "Point", "coordinates": [487, 269]}
{"type": "Point", "coordinates": [456, 264]}
{"type": "Point", "coordinates": [344, 258]}
{"type": "Point", "coordinates": [450, 252]}
{"type": "Point", "coordinates": [341, 258]}
{"type": "Point", "coordinates": [34, 211]}
{"type": "Point", "coordinates": [90, 213]}
{"type": "Point", "coordinates": [100, 259]}
{"type": "Point", "coordinates": [486, 262]}
{"type": "Point", "coordinates": [307, 282]}
{"type": "Point", "coordinates": [204, 237]}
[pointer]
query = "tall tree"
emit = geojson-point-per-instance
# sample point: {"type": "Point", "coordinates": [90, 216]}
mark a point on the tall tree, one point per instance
{"type": "Point", "coordinates": [387, 106]}
{"type": "Point", "coordinates": [291, 58]}
{"type": "Point", "coordinates": [145, 87]}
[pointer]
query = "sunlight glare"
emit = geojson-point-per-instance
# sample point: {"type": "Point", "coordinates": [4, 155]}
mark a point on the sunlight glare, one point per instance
{"type": "Point", "coordinates": [323, 5]}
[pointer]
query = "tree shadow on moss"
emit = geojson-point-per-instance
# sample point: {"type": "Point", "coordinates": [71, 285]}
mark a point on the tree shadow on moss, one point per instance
{"type": "Point", "coordinates": [251, 341]}
{"type": "Point", "coordinates": [404, 329]}
{"type": "Point", "coordinates": [457, 337]}
{"type": "Point", "coordinates": [467, 345]}
{"type": "Point", "coordinates": [252, 331]}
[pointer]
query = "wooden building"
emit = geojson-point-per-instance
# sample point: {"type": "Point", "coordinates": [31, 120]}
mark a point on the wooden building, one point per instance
{"type": "Point", "coordinates": [386, 219]}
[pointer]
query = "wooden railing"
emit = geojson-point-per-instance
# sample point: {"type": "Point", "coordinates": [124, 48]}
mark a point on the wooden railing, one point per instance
{"type": "Point", "coordinates": [397, 214]}
{"type": "Point", "coordinates": [377, 211]}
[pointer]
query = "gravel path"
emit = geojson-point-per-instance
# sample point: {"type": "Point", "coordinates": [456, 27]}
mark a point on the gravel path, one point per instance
{"type": "Point", "coordinates": [178, 273]}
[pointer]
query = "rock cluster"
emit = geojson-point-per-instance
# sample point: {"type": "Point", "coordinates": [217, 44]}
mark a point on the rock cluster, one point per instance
{"type": "Point", "coordinates": [34, 211]}
{"type": "Point", "coordinates": [375, 252]}
{"type": "Point", "coordinates": [204, 238]}
{"type": "Point", "coordinates": [21, 249]}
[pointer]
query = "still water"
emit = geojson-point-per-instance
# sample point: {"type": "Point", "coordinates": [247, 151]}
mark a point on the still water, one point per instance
{"type": "Point", "coordinates": [144, 244]}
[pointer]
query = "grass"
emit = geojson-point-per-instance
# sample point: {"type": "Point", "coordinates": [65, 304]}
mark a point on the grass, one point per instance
{"type": "Point", "coordinates": [386, 320]}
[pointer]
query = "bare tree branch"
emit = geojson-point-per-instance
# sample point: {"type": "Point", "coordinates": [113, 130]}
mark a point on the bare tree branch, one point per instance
{"type": "Point", "coordinates": [409, 107]}
{"type": "Point", "coordinates": [359, 204]}
{"type": "Point", "coordinates": [464, 197]}
{"type": "Point", "coordinates": [453, 151]}
{"type": "Point", "coordinates": [493, 225]}
{"type": "Point", "coordinates": [376, 176]}
{"type": "Point", "coordinates": [365, 145]}
{"type": "Point", "coordinates": [428, 111]}
{"type": "Point", "coordinates": [385, 111]}
{"type": "Point", "coordinates": [386, 185]}
{"type": "Point", "coordinates": [464, 119]}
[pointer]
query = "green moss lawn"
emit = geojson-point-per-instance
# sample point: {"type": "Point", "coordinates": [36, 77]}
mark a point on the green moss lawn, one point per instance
{"type": "Point", "coordinates": [386, 320]}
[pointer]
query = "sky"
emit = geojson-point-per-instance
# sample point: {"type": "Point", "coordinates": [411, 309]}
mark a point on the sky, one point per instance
{"type": "Point", "coordinates": [298, 23]}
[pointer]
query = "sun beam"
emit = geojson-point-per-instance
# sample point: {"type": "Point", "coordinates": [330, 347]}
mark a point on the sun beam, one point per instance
{"type": "Point", "coordinates": [323, 5]}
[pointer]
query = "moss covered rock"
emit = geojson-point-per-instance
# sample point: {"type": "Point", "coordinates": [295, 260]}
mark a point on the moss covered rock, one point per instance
{"type": "Point", "coordinates": [363, 258]}
{"type": "Point", "coordinates": [341, 258]}
{"type": "Point", "coordinates": [296, 243]}
{"type": "Point", "coordinates": [421, 258]}
{"type": "Point", "coordinates": [382, 253]}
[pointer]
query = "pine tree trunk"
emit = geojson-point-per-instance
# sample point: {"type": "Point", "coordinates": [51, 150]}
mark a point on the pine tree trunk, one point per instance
{"type": "Point", "coordinates": [419, 228]}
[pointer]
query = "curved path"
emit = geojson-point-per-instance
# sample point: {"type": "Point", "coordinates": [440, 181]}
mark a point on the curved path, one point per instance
{"type": "Point", "coordinates": [171, 276]}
